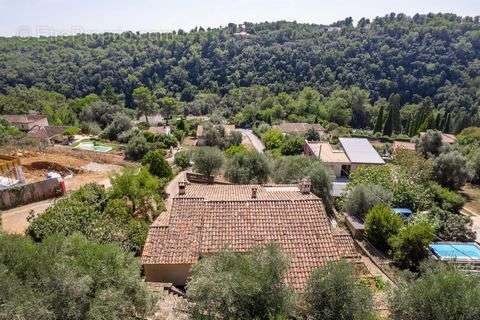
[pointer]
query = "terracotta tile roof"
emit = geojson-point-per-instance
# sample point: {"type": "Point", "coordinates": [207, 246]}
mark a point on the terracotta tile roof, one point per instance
{"type": "Point", "coordinates": [327, 153]}
{"type": "Point", "coordinates": [346, 245]}
{"type": "Point", "coordinates": [22, 118]}
{"type": "Point", "coordinates": [47, 132]}
{"type": "Point", "coordinates": [244, 192]}
{"type": "Point", "coordinates": [298, 127]}
{"type": "Point", "coordinates": [210, 218]}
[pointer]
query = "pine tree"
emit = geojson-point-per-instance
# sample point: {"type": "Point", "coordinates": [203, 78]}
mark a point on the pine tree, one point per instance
{"type": "Point", "coordinates": [388, 128]}
{"type": "Point", "coordinates": [379, 122]}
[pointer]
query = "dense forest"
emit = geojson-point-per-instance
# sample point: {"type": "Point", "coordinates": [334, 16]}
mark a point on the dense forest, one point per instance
{"type": "Point", "coordinates": [434, 56]}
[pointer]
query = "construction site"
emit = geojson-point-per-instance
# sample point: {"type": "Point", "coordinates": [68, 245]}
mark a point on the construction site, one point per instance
{"type": "Point", "coordinates": [32, 179]}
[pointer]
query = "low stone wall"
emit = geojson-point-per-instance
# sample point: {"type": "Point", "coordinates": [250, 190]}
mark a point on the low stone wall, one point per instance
{"type": "Point", "coordinates": [28, 193]}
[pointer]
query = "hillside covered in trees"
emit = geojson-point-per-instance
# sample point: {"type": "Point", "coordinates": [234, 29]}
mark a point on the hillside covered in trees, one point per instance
{"type": "Point", "coordinates": [400, 58]}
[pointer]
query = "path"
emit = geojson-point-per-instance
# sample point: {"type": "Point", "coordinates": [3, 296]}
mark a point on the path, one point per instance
{"type": "Point", "coordinates": [172, 188]}
{"type": "Point", "coordinates": [14, 221]}
{"type": "Point", "coordinates": [475, 219]}
{"type": "Point", "coordinates": [256, 142]}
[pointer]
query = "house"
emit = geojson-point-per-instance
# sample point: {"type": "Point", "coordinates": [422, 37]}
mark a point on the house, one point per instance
{"type": "Point", "coordinates": [160, 130]}
{"type": "Point", "coordinates": [351, 153]}
{"type": "Point", "coordinates": [204, 219]}
{"type": "Point", "coordinates": [49, 134]}
{"type": "Point", "coordinates": [299, 128]}
{"type": "Point", "coordinates": [154, 120]}
{"type": "Point", "coordinates": [26, 122]}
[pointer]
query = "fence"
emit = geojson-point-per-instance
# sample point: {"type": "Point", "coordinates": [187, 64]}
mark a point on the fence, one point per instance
{"type": "Point", "coordinates": [32, 192]}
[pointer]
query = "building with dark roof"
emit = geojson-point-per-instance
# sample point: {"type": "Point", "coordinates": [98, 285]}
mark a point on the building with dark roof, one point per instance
{"type": "Point", "coordinates": [204, 219]}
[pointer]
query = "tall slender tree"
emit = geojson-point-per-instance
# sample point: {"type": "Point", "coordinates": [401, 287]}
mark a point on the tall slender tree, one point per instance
{"type": "Point", "coordinates": [379, 122]}
{"type": "Point", "coordinates": [388, 128]}
{"type": "Point", "coordinates": [394, 101]}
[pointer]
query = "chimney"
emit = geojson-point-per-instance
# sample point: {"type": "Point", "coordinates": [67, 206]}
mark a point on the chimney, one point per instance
{"type": "Point", "coordinates": [181, 188]}
{"type": "Point", "coordinates": [305, 186]}
{"type": "Point", "coordinates": [254, 192]}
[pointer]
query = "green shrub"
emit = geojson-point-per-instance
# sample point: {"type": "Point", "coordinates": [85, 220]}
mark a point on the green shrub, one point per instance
{"type": "Point", "coordinates": [249, 167]}
{"type": "Point", "coordinates": [334, 292]}
{"type": "Point", "coordinates": [272, 139]}
{"type": "Point", "coordinates": [136, 148]}
{"type": "Point", "coordinates": [157, 165]}
{"type": "Point", "coordinates": [235, 149]}
{"type": "Point", "coordinates": [364, 197]}
{"type": "Point", "coordinates": [448, 200]}
{"type": "Point", "coordinates": [292, 145]}
{"type": "Point", "coordinates": [207, 160]}
{"type": "Point", "coordinates": [252, 286]}
{"type": "Point", "coordinates": [410, 244]}
{"type": "Point", "coordinates": [381, 223]}
{"type": "Point", "coordinates": [70, 278]}
{"type": "Point", "coordinates": [182, 159]}
{"type": "Point", "coordinates": [450, 170]}
{"type": "Point", "coordinates": [440, 293]}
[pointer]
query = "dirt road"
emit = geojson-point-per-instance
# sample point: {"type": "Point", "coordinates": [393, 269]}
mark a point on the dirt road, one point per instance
{"type": "Point", "coordinates": [256, 142]}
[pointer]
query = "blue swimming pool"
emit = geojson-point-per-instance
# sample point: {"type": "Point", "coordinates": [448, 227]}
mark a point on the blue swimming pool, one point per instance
{"type": "Point", "coordinates": [456, 250]}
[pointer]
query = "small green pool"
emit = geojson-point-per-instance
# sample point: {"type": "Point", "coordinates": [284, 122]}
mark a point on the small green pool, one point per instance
{"type": "Point", "coordinates": [90, 146]}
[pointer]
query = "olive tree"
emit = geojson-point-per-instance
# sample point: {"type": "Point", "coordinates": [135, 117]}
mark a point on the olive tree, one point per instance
{"type": "Point", "coordinates": [243, 286]}
{"type": "Point", "coordinates": [334, 292]}
{"type": "Point", "coordinates": [440, 293]}
{"type": "Point", "coordinates": [207, 160]}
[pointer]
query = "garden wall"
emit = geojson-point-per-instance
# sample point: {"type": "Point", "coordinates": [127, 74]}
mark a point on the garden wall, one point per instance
{"type": "Point", "coordinates": [28, 193]}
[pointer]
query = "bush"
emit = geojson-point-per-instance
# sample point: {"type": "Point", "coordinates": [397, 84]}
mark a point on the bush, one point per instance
{"type": "Point", "coordinates": [450, 170]}
{"type": "Point", "coordinates": [364, 197]}
{"type": "Point", "coordinates": [70, 278]}
{"type": "Point", "coordinates": [251, 287]}
{"type": "Point", "coordinates": [89, 211]}
{"type": "Point", "coordinates": [136, 148]}
{"type": "Point", "coordinates": [442, 292]}
{"type": "Point", "coordinates": [453, 227]}
{"type": "Point", "coordinates": [90, 128]}
{"type": "Point", "coordinates": [207, 160]}
{"type": "Point", "coordinates": [233, 150]}
{"type": "Point", "coordinates": [312, 135]}
{"type": "Point", "coordinates": [430, 144]}
{"type": "Point", "coordinates": [448, 200]}
{"type": "Point", "coordinates": [124, 137]}
{"type": "Point", "coordinates": [249, 167]}
{"type": "Point", "coordinates": [381, 223]}
{"type": "Point", "coordinates": [119, 124]}
{"type": "Point", "coordinates": [233, 139]}
{"type": "Point", "coordinates": [292, 145]}
{"type": "Point", "coordinates": [157, 165]}
{"type": "Point", "coordinates": [410, 245]}
{"type": "Point", "coordinates": [71, 131]}
{"type": "Point", "coordinates": [291, 169]}
{"type": "Point", "coordinates": [272, 139]}
{"type": "Point", "coordinates": [333, 292]}
{"type": "Point", "coordinates": [469, 135]}
{"type": "Point", "coordinates": [182, 159]}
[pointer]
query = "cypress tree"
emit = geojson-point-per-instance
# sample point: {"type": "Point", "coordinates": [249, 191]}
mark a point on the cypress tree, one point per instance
{"type": "Point", "coordinates": [394, 101]}
{"type": "Point", "coordinates": [379, 122]}
{"type": "Point", "coordinates": [446, 125]}
{"type": "Point", "coordinates": [388, 128]}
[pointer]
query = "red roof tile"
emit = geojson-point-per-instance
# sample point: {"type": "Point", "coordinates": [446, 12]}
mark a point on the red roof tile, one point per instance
{"type": "Point", "coordinates": [296, 221]}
